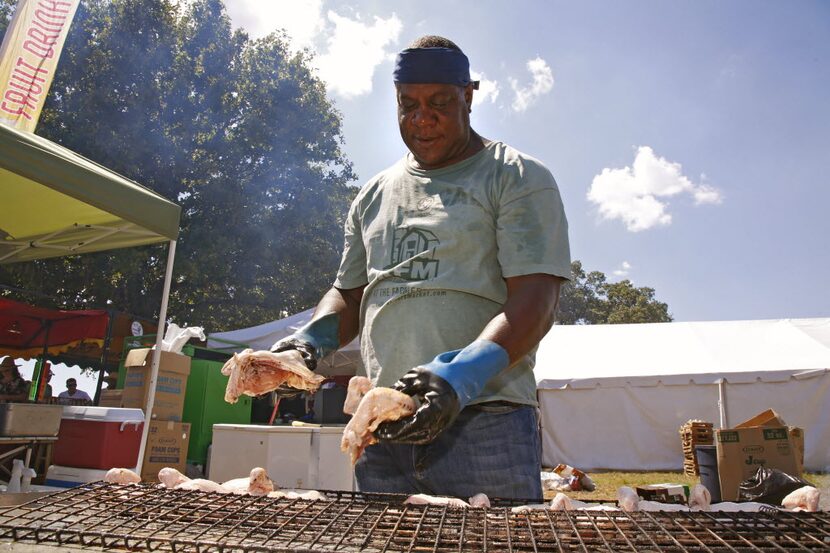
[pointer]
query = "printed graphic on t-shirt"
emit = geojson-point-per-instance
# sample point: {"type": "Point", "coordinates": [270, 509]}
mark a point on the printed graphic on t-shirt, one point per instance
{"type": "Point", "coordinates": [413, 254]}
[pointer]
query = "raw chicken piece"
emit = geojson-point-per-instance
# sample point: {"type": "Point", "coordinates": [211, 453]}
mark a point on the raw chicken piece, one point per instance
{"type": "Point", "coordinates": [424, 499]}
{"type": "Point", "coordinates": [480, 500]}
{"type": "Point", "coordinates": [528, 508]}
{"type": "Point", "coordinates": [805, 498]}
{"type": "Point", "coordinates": [377, 406]}
{"type": "Point", "coordinates": [257, 483]}
{"type": "Point", "coordinates": [121, 476]}
{"type": "Point", "coordinates": [171, 478]}
{"type": "Point", "coordinates": [658, 506]}
{"type": "Point", "coordinates": [312, 495]}
{"type": "Point", "coordinates": [257, 372]}
{"type": "Point", "coordinates": [202, 485]}
{"type": "Point", "coordinates": [562, 502]}
{"type": "Point", "coordinates": [358, 386]}
{"type": "Point", "coordinates": [700, 498]}
{"type": "Point", "coordinates": [628, 499]}
{"type": "Point", "coordinates": [746, 507]}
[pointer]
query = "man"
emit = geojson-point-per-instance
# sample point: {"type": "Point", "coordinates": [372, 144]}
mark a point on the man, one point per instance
{"type": "Point", "coordinates": [455, 254]}
{"type": "Point", "coordinates": [73, 395]}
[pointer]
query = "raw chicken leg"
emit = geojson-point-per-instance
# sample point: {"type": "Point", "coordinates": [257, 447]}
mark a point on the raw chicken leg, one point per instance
{"type": "Point", "coordinates": [121, 476]}
{"type": "Point", "coordinates": [377, 406]}
{"type": "Point", "coordinates": [803, 499]}
{"type": "Point", "coordinates": [628, 499]}
{"type": "Point", "coordinates": [257, 372]}
{"type": "Point", "coordinates": [480, 500]}
{"type": "Point", "coordinates": [700, 499]}
{"type": "Point", "coordinates": [202, 485]}
{"type": "Point", "coordinates": [171, 478]}
{"type": "Point", "coordinates": [257, 483]}
{"type": "Point", "coordinates": [358, 386]}
{"type": "Point", "coordinates": [424, 499]}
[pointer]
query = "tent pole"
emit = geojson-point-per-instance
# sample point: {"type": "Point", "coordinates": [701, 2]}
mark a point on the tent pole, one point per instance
{"type": "Point", "coordinates": [154, 371]}
{"type": "Point", "coordinates": [104, 351]}
{"type": "Point", "coordinates": [724, 422]}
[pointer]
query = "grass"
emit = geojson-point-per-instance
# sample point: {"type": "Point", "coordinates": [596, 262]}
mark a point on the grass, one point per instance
{"type": "Point", "coordinates": [608, 482]}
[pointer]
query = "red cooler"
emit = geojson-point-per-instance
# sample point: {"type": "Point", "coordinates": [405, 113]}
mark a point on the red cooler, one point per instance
{"type": "Point", "coordinates": [98, 437]}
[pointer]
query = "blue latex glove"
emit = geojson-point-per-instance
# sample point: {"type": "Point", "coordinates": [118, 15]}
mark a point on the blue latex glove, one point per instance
{"type": "Point", "coordinates": [314, 341]}
{"type": "Point", "coordinates": [445, 386]}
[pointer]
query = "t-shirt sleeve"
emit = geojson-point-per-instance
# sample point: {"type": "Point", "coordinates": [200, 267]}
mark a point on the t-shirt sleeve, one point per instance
{"type": "Point", "coordinates": [352, 271]}
{"type": "Point", "coordinates": [532, 230]}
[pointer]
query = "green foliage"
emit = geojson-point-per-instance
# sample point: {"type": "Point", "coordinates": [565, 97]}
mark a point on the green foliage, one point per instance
{"type": "Point", "coordinates": [239, 132]}
{"type": "Point", "coordinates": [589, 299]}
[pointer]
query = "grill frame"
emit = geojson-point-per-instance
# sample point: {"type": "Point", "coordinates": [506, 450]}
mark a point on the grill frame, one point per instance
{"type": "Point", "coordinates": [150, 518]}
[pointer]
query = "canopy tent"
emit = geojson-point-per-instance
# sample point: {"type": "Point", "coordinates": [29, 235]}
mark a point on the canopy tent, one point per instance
{"type": "Point", "coordinates": [615, 396]}
{"type": "Point", "coordinates": [345, 361]}
{"type": "Point", "coordinates": [85, 337]}
{"type": "Point", "coordinates": [56, 202]}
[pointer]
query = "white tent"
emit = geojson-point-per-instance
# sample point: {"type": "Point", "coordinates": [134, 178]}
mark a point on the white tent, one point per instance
{"type": "Point", "coordinates": [345, 361]}
{"type": "Point", "coordinates": [615, 396]}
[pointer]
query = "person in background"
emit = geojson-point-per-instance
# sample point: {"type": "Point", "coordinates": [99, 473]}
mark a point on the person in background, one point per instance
{"type": "Point", "coordinates": [451, 271]}
{"type": "Point", "coordinates": [13, 387]}
{"type": "Point", "coordinates": [73, 394]}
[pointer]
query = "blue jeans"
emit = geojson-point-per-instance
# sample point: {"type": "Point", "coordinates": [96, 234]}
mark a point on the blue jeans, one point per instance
{"type": "Point", "coordinates": [490, 448]}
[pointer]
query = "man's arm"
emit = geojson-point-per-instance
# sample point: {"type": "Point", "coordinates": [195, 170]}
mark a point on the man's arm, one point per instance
{"type": "Point", "coordinates": [346, 304]}
{"type": "Point", "coordinates": [334, 324]}
{"type": "Point", "coordinates": [527, 316]}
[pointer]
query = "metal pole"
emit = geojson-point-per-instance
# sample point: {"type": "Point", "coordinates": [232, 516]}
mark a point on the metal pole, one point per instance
{"type": "Point", "coordinates": [154, 371]}
{"type": "Point", "coordinates": [104, 350]}
{"type": "Point", "coordinates": [724, 421]}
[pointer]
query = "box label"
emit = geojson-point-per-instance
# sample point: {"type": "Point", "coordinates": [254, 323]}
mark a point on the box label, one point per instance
{"type": "Point", "coordinates": [728, 437]}
{"type": "Point", "coordinates": [775, 434]}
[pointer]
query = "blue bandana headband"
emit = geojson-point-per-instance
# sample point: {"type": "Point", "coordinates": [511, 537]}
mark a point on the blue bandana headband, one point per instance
{"type": "Point", "coordinates": [433, 65]}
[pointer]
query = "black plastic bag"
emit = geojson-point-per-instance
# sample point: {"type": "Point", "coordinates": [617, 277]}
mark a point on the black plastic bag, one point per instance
{"type": "Point", "coordinates": [769, 486]}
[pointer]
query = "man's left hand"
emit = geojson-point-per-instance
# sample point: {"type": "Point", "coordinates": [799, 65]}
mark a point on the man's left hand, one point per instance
{"type": "Point", "coordinates": [439, 408]}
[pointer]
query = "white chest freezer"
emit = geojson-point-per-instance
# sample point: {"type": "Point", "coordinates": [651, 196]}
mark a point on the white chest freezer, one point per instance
{"type": "Point", "coordinates": [294, 457]}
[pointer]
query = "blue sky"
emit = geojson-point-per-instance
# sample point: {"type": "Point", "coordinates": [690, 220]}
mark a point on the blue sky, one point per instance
{"type": "Point", "coordinates": [688, 138]}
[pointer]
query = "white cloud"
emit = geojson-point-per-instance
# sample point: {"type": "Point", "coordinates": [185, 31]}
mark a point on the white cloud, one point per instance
{"type": "Point", "coordinates": [301, 19]}
{"type": "Point", "coordinates": [542, 84]}
{"type": "Point", "coordinates": [633, 194]}
{"type": "Point", "coordinates": [348, 49]}
{"type": "Point", "coordinates": [355, 49]}
{"type": "Point", "coordinates": [488, 91]}
{"type": "Point", "coordinates": [623, 270]}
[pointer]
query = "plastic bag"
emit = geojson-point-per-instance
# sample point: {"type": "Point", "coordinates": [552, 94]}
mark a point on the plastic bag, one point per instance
{"type": "Point", "coordinates": [769, 486]}
{"type": "Point", "coordinates": [176, 337]}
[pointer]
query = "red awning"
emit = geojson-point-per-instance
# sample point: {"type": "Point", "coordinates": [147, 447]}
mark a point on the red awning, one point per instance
{"type": "Point", "coordinates": [25, 329]}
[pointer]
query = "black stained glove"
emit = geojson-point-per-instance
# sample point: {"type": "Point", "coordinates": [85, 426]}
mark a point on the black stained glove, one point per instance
{"type": "Point", "coordinates": [309, 358]}
{"type": "Point", "coordinates": [439, 408]}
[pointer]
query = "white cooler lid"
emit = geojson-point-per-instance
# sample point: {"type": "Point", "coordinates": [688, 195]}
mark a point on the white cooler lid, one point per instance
{"type": "Point", "coordinates": [104, 414]}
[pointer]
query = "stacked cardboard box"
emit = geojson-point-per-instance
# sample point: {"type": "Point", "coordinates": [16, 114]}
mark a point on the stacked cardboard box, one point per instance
{"type": "Point", "coordinates": [168, 437]}
{"type": "Point", "coordinates": [764, 440]}
{"type": "Point", "coordinates": [694, 433]}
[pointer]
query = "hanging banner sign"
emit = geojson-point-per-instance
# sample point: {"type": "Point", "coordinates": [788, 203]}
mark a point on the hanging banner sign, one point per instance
{"type": "Point", "coordinates": [29, 56]}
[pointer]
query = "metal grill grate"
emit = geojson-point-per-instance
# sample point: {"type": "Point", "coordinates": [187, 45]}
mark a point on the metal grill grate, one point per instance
{"type": "Point", "coordinates": [144, 518]}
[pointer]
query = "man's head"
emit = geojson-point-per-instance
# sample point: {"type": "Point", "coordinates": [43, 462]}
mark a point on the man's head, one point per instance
{"type": "Point", "coordinates": [71, 384]}
{"type": "Point", "coordinates": [435, 96]}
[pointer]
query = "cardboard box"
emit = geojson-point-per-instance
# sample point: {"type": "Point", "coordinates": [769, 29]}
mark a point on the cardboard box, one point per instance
{"type": "Point", "coordinates": [174, 369]}
{"type": "Point", "coordinates": [110, 398]}
{"type": "Point", "coordinates": [167, 443]}
{"type": "Point", "coordinates": [764, 440]}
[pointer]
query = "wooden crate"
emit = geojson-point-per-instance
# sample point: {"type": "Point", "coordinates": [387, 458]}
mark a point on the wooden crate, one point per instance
{"type": "Point", "coordinates": [694, 433]}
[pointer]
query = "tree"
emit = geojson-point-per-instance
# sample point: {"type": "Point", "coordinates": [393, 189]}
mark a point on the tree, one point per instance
{"type": "Point", "coordinates": [239, 132]}
{"type": "Point", "coordinates": [589, 299]}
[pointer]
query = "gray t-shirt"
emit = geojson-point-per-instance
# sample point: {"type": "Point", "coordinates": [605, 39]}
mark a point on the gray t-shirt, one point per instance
{"type": "Point", "coordinates": [433, 249]}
